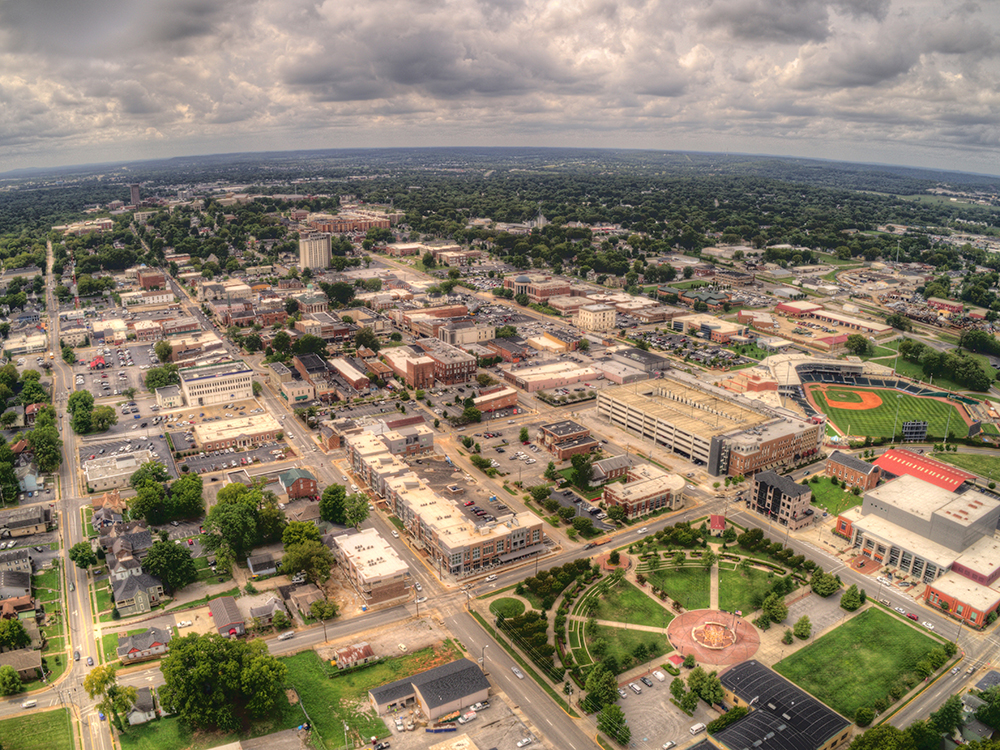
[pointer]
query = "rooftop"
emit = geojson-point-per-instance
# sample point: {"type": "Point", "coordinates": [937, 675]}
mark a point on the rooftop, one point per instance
{"type": "Point", "coordinates": [900, 461]}
{"type": "Point", "coordinates": [967, 591]}
{"type": "Point", "coordinates": [371, 555]}
{"type": "Point", "coordinates": [252, 424]}
{"type": "Point", "coordinates": [438, 686]}
{"type": "Point", "coordinates": [563, 428]}
{"type": "Point", "coordinates": [787, 486]}
{"type": "Point", "coordinates": [201, 372]}
{"type": "Point", "coordinates": [851, 462]}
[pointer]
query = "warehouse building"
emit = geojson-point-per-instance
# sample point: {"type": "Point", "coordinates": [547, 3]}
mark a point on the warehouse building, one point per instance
{"type": "Point", "coordinates": [439, 691]}
{"type": "Point", "coordinates": [112, 472]}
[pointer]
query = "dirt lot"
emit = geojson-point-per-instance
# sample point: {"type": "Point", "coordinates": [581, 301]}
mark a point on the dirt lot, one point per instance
{"type": "Point", "coordinates": [413, 634]}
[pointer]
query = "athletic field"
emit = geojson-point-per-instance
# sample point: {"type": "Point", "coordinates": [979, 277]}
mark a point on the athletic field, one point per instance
{"type": "Point", "coordinates": [871, 411]}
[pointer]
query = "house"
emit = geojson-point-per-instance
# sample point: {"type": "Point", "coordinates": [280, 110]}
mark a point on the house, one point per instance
{"type": "Point", "coordinates": [298, 483]}
{"type": "Point", "coordinates": [608, 469]}
{"type": "Point", "coordinates": [149, 644]}
{"type": "Point", "coordinates": [111, 500]}
{"type": "Point", "coordinates": [438, 691]}
{"type": "Point", "coordinates": [353, 655]}
{"type": "Point", "coordinates": [14, 583]}
{"type": "Point", "coordinates": [302, 597]}
{"type": "Point", "coordinates": [26, 662]}
{"type": "Point", "coordinates": [265, 613]}
{"type": "Point", "coordinates": [20, 522]}
{"type": "Point", "coordinates": [144, 708]}
{"type": "Point", "coordinates": [136, 593]}
{"type": "Point", "coordinates": [19, 607]}
{"type": "Point", "coordinates": [262, 565]}
{"type": "Point", "coordinates": [105, 518]}
{"type": "Point", "coordinates": [16, 559]}
{"type": "Point", "coordinates": [716, 524]}
{"type": "Point", "coordinates": [226, 617]}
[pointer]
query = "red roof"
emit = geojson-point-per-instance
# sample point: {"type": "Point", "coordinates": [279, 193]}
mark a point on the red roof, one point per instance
{"type": "Point", "coordinates": [717, 523]}
{"type": "Point", "coordinates": [903, 462]}
{"type": "Point", "coordinates": [676, 660]}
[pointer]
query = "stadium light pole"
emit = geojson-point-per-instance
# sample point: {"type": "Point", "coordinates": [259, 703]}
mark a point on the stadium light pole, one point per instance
{"type": "Point", "coordinates": [947, 427]}
{"type": "Point", "coordinates": [896, 419]}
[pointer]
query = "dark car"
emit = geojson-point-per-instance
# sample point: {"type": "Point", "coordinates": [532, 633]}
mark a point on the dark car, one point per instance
{"type": "Point", "coordinates": [646, 681]}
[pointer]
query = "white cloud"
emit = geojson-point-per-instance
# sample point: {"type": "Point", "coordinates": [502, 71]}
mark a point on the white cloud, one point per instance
{"type": "Point", "coordinates": [910, 82]}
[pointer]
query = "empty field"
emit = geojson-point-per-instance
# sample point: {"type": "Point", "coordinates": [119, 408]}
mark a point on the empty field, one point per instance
{"type": "Point", "coordinates": [859, 662]}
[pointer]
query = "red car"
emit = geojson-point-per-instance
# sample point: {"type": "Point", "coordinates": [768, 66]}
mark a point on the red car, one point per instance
{"type": "Point", "coordinates": [191, 542]}
{"type": "Point", "coordinates": [92, 458]}
{"type": "Point", "coordinates": [469, 503]}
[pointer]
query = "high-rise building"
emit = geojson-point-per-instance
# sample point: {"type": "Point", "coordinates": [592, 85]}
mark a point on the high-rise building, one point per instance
{"type": "Point", "coordinates": [314, 251]}
{"type": "Point", "coordinates": [133, 190]}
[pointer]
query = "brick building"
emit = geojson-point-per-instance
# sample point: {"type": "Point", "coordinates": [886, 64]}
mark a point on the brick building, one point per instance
{"type": "Point", "coordinates": [852, 471]}
{"type": "Point", "coordinates": [298, 483]}
{"type": "Point", "coordinates": [646, 490]}
{"type": "Point", "coordinates": [566, 439]}
{"type": "Point", "coordinates": [781, 499]}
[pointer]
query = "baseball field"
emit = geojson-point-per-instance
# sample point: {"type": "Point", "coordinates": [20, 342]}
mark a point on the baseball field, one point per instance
{"type": "Point", "coordinates": [872, 411]}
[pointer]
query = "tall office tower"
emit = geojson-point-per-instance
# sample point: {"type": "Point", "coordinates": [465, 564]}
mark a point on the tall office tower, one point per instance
{"type": "Point", "coordinates": [314, 251]}
{"type": "Point", "coordinates": [134, 193]}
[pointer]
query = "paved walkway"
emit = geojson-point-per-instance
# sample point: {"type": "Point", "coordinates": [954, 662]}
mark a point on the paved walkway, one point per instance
{"type": "Point", "coordinates": [713, 591]}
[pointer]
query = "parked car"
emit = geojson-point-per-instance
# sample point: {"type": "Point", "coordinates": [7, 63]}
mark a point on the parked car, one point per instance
{"type": "Point", "coordinates": [646, 681]}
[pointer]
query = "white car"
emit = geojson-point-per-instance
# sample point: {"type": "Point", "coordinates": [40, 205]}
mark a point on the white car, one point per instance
{"type": "Point", "coordinates": [928, 625]}
{"type": "Point", "coordinates": [525, 742]}
{"type": "Point", "coordinates": [643, 530]}
{"type": "Point", "coordinates": [490, 579]}
{"type": "Point", "coordinates": [517, 673]}
{"type": "Point", "coordinates": [395, 534]}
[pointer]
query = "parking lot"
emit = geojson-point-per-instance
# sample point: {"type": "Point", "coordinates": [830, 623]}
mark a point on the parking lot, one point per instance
{"type": "Point", "coordinates": [654, 720]}
{"type": "Point", "coordinates": [218, 460]}
{"type": "Point", "coordinates": [494, 727]}
{"type": "Point", "coordinates": [142, 440]}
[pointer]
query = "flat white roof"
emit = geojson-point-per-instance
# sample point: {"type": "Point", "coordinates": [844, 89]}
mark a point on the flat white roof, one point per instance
{"type": "Point", "coordinates": [967, 591]}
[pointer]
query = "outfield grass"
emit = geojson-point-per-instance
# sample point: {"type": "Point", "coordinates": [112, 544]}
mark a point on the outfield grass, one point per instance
{"type": "Point", "coordinates": [44, 730]}
{"type": "Point", "coordinates": [622, 643]}
{"type": "Point", "coordinates": [626, 603]}
{"type": "Point", "coordinates": [690, 586]}
{"type": "Point", "coordinates": [332, 702]}
{"type": "Point", "coordinates": [507, 607]}
{"type": "Point", "coordinates": [878, 422]}
{"type": "Point", "coordinates": [858, 662]}
{"type": "Point", "coordinates": [832, 499]}
{"type": "Point", "coordinates": [737, 590]}
{"type": "Point", "coordinates": [978, 463]}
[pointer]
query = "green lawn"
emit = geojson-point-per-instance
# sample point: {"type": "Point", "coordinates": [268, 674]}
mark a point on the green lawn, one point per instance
{"type": "Point", "coordinates": [736, 590]}
{"type": "Point", "coordinates": [173, 734]}
{"type": "Point", "coordinates": [626, 603]}
{"type": "Point", "coordinates": [331, 702]}
{"type": "Point", "coordinates": [622, 643]}
{"type": "Point", "coordinates": [690, 586]}
{"type": "Point", "coordinates": [978, 463]}
{"type": "Point", "coordinates": [859, 662]}
{"type": "Point", "coordinates": [48, 587]}
{"type": "Point", "coordinates": [915, 371]}
{"type": "Point", "coordinates": [43, 730]}
{"type": "Point", "coordinates": [878, 422]}
{"type": "Point", "coordinates": [832, 499]}
{"type": "Point", "coordinates": [507, 607]}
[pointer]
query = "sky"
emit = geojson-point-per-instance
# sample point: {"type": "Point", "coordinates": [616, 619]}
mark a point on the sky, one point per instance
{"type": "Point", "coordinates": [915, 83]}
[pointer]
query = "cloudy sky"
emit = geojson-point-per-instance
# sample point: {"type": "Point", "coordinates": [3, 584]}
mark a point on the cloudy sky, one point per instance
{"type": "Point", "coordinates": [914, 82]}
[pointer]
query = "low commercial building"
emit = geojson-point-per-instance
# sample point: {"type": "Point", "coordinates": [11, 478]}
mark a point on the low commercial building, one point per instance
{"type": "Point", "coordinates": [647, 489]}
{"type": "Point", "coordinates": [222, 383]}
{"type": "Point", "coordinates": [74, 335]}
{"type": "Point", "coordinates": [147, 299]}
{"type": "Point", "coordinates": [439, 691]}
{"type": "Point", "coordinates": [451, 364]}
{"type": "Point", "coordinates": [351, 374]}
{"type": "Point", "coordinates": [781, 716]}
{"type": "Point", "coordinates": [963, 598]}
{"type": "Point", "coordinates": [169, 397]}
{"type": "Point", "coordinates": [495, 398]}
{"type": "Point", "coordinates": [728, 434]}
{"type": "Point", "coordinates": [26, 343]}
{"type": "Point", "coordinates": [148, 330]}
{"type": "Point", "coordinates": [21, 522]}
{"type": "Point", "coordinates": [111, 472]}
{"type": "Point", "coordinates": [243, 432]}
{"type": "Point", "coordinates": [373, 567]}
{"type": "Point", "coordinates": [547, 376]}
{"type": "Point", "coordinates": [465, 332]}
{"type": "Point", "coordinates": [537, 287]}
{"type": "Point", "coordinates": [412, 365]}
{"type": "Point", "coordinates": [566, 439]}
{"type": "Point", "coordinates": [709, 327]}
{"type": "Point", "coordinates": [596, 318]}
{"type": "Point", "coordinates": [641, 360]}
{"type": "Point", "coordinates": [852, 471]}
{"type": "Point", "coordinates": [781, 499]}
{"type": "Point", "coordinates": [150, 279]}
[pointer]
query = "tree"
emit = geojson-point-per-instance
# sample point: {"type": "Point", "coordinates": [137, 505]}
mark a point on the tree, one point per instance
{"type": "Point", "coordinates": [323, 610]}
{"type": "Point", "coordinates": [708, 560]}
{"type": "Point", "coordinates": [186, 496]}
{"type": "Point", "coordinates": [803, 627]}
{"type": "Point", "coordinates": [678, 688]}
{"type": "Point", "coordinates": [103, 418]}
{"type": "Point", "coordinates": [235, 524]}
{"type": "Point", "coordinates": [10, 681]}
{"type": "Point", "coordinates": [611, 721]}
{"type": "Point", "coordinates": [365, 337]}
{"type": "Point", "coordinates": [899, 322]}
{"type": "Point", "coordinates": [601, 686]}
{"type": "Point", "coordinates": [355, 509]}
{"type": "Point", "coordinates": [523, 435]}
{"type": "Point", "coordinates": [584, 345]}
{"type": "Point", "coordinates": [291, 305]}
{"type": "Point", "coordinates": [851, 599]}
{"type": "Point", "coordinates": [989, 713]}
{"type": "Point", "coordinates": [864, 716]}
{"type": "Point", "coordinates": [471, 415]}
{"type": "Point", "coordinates": [775, 608]}
{"type": "Point", "coordinates": [257, 388]}
{"type": "Point", "coordinates": [297, 532]}
{"type": "Point", "coordinates": [80, 405]}
{"type": "Point", "coordinates": [428, 260]}
{"type": "Point", "coordinates": [164, 350]}
{"type": "Point", "coordinates": [882, 737]}
{"type": "Point", "coordinates": [151, 503]}
{"type": "Point", "coordinates": [311, 557]}
{"type": "Point", "coordinates": [216, 683]}
{"type": "Point", "coordinates": [158, 377]}
{"type": "Point", "coordinates": [13, 635]}
{"type": "Point", "coordinates": [948, 718]}
{"type": "Point", "coordinates": [310, 344]}
{"type": "Point", "coordinates": [83, 555]}
{"type": "Point", "coordinates": [8, 418]}
{"type": "Point", "coordinates": [582, 470]}
{"type": "Point", "coordinates": [150, 472]}
{"type": "Point", "coordinates": [583, 525]}
{"type": "Point", "coordinates": [172, 564]}
{"type": "Point", "coordinates": [115, 699]}
{"type": "Point", "coordinates": [331, 504]}
{"type": "Point", "coordinates": [858, 344]}
{"type": "Point", "coordinates": [824, 584]}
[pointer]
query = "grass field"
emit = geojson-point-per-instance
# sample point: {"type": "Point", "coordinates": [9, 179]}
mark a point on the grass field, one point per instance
{"type": "Point", "coordinates": [858, 662]}
{"type": "Point", "coordinates": [978, 463]}
{"type": "Point", "coordinates": [45, 730]}
{"type": "Point", "coordinates": [832, 499]}
{"type": "Point", "coordinates": [622, 643]}
{"type": "Point", "coordinates": [628, 604]}
{"type": "Point", "coordinates": [736, 590]}
{"type": "Point", "coordinates": [507, 607]}
{"type": "Point", "coordinates": [689, 586]}
{"type": "Point", "coordinates": [878, 422]}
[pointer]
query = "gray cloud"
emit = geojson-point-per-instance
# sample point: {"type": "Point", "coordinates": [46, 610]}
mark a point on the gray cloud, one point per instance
{"type": "Point", "coordinates": [905, 80]}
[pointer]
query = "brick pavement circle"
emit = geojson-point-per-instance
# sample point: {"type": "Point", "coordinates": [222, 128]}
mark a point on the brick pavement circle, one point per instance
{"type": "Point", "coordinates": [624, 561]}
{"type": "Point", "coordinates": [681, 629]}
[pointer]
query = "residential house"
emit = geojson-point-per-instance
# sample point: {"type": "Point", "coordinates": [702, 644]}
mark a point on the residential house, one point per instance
{"type": "Point", "coordinates": [262, 565]}
{"type": "Point", "coordinates": [149, 644]}
{"type": "Point", "coordinates": [354, 655]}
{"type": "Point", "coordinates": [144, 708]}
{"type": "Point", "coordinates": [226, 617]}
{"type": "Point", "coordinates": [135, 593]}
{"type": "Point", "coordinates": [264, 614]}
{"type": "Point", "coordinates": [27, 662]}
{"type": "Point", "coordinates": [298, 483]}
